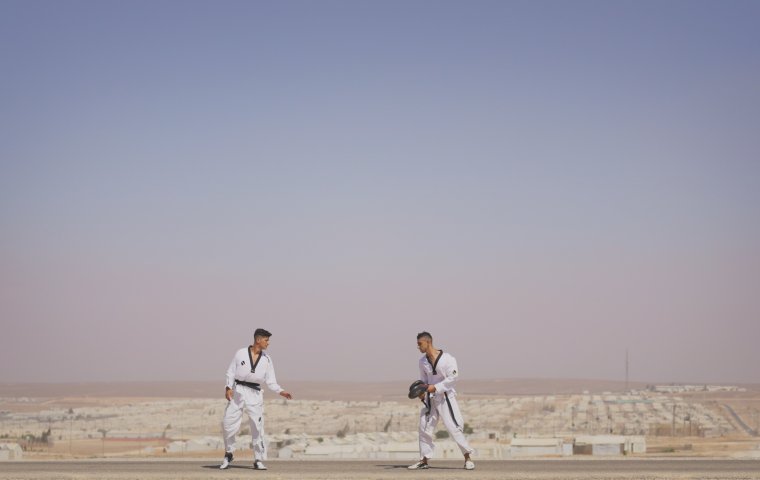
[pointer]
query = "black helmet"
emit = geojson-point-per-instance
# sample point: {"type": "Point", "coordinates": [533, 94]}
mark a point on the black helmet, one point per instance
{"type": "Point", "coordinates": [417, 388]}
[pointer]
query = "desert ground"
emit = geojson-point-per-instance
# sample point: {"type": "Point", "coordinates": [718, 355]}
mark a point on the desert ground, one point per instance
{"type": "Point", "coordinates": [335, 421]}
{"type": "Point", "coordinates": [628, 469]}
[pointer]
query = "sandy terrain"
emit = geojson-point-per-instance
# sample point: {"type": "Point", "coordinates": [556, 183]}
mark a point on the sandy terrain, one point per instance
{"type": "Point", "coordinates": [87, 423]}
{"type": "Point", "coordinates": [308, 390]}
{"type": "Point", "coordinates": [627, 469]}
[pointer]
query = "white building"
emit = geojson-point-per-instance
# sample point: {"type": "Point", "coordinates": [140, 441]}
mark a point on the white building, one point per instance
{"type": "Point", "coordinates": [609, 445]}
{"type": "Point", "coordinates": [10, 451]}
{"type": "Point", "coordinates": [535, 447]}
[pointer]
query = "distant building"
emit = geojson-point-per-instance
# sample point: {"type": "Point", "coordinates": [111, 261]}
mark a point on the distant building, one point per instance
{"type": "Point", "coordinates": [609, 445]}
{"type": "Point", "coordinates": [537, 447]}
{"type": "Point", "coordinates": [10, 451]}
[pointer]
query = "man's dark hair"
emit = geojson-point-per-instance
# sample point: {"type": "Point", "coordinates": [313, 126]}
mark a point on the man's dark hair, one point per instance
{"type": "Point", "coordinates": [425, 335]}
{"type": "Point", "coordinates": [260, 332]}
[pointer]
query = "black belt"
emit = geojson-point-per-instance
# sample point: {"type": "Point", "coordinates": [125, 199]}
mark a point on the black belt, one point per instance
{"type": "Point", "coordinates": [252, 385]}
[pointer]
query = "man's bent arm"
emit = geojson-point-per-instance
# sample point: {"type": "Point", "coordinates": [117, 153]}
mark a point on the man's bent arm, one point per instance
{"type": "Point", "coordinates": [450, 373]}
{"type": "Point", "coordinates": [230, 377]}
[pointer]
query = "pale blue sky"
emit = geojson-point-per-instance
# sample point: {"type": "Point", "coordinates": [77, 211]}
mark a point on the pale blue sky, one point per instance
{"type": "Point", "coordinates": [539, 184]}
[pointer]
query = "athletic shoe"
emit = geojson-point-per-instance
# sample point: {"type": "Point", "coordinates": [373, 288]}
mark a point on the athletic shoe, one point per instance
{"type": "Point", "coordinates": [469, 465]}
{"type": "Point", "coordinates": [226, 462]}
{"type": "Point", "coordinates": [418, 466]}
{"type": "Point", "coordinates": [259, 465]}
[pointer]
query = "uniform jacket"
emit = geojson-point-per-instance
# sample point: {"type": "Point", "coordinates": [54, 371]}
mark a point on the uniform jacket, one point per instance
{"type": "Point", "coordinates": [245, 369]}
{"type": "Point", "coordinates": [442, 372]}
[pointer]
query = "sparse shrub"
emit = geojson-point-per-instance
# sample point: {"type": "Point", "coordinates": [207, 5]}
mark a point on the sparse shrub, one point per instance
{"type": "Point", "coordinates": [388, 425]}
{"type": "Point", "coordinates": [441, 434]}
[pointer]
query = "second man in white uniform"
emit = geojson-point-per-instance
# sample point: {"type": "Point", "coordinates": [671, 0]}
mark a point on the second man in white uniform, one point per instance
{"type": "Point", "coordinates": [438, 370]}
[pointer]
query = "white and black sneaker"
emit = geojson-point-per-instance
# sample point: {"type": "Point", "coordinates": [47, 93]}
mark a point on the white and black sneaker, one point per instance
{"type": "Point", "coordinates": [226, 462]}
{"type": "Point", "coordinates": [259, 465]}
{"type": "Point", "coordinates": [469, 465]}
{"type": "Point", "coordinates": [419, 466]}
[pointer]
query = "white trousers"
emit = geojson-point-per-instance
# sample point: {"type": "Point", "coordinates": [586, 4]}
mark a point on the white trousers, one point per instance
{"type": "Point", "coordinates": [443, 407]}
{"type": "Point", "coordinates": [252, 401]}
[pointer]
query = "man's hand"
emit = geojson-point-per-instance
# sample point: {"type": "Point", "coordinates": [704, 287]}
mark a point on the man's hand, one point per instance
{"type": "Point", "coordinates": [286, 395]}
{"type": "Point", "coordinates": [424, 394]}
{"type": "Point", "coordinates": [228, 393]}
{"type": "Point", "coordinates": [431, 389]}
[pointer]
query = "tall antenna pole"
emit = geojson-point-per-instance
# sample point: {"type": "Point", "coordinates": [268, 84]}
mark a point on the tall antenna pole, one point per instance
{"type": "Point", "coordinates": [626, 370]}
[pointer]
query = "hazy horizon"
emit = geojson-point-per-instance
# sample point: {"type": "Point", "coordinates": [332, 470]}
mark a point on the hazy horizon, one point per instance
{"type": "Point", "coordinates": [343, 390]}
{"type": "Point", "coordinates": [541, 185]}
{"type": "Point", "coordinates": [404, 380]}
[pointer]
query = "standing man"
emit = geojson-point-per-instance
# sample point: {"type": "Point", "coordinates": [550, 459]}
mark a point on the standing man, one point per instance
{"type": "Point", "coordinates": [438, 370]}
{"type": "Point", "coordinates": [249, 369]}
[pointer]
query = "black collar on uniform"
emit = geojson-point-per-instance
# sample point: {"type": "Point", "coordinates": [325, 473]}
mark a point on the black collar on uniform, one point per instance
{"type": "Point", "coordinates": [253, 365]}
{"type": "Point", "coordinates": [435, 364]}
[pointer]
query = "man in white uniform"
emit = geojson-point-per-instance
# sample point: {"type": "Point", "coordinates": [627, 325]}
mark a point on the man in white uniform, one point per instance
{"type": "Point", "coordinates": [438, 370]}
{"type": "Point", "coordinates": [248, 370]}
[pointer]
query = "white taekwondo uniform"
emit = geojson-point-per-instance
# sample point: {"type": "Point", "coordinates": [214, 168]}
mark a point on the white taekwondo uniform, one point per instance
{"type": "Point", "coordinates": [244, 369]}
{"type": "Point", "coordinates": [440, 405]}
